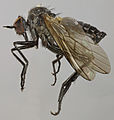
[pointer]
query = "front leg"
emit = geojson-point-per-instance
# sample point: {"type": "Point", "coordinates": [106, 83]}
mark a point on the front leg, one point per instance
{"type": "Point", "coordinates": [24, 62]}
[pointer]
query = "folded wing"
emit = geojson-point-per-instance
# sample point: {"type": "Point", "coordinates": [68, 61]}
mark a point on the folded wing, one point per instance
{"type": "Point", "coordinates": [79, 49]}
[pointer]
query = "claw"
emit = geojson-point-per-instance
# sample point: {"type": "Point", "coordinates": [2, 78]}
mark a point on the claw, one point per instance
{"type": "Point", "coordinates": [56, 113]}
{"type": "Point", "coordinates": [59, 109]}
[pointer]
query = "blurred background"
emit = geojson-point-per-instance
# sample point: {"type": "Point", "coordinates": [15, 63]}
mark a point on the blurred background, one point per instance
{"type": "Point", "coordinates": [85, 100]}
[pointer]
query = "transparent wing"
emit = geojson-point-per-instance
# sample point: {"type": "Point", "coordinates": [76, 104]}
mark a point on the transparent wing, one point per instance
{"type": "Point", "coordinates": [81, 52]}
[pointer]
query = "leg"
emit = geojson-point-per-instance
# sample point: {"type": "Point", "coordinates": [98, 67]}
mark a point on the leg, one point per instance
{"type": "Point", "coordinates": [65, 86]}
{"type": "Point", "coordinates": [57, 60]}
{"type": "Point", "coordinates": [59, 64]}
{"type": "Point", "coordinates": [25, 45]}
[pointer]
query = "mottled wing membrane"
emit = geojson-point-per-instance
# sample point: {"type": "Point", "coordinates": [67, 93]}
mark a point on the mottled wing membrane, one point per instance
{"type": "Point", "coordinates": [81, 52]}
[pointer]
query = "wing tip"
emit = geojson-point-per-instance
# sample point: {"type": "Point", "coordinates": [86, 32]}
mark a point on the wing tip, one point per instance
{"type": "Point", "coordinates": [108, 71]}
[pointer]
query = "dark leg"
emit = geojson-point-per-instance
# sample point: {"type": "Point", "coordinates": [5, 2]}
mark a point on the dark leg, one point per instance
{"type": "Point", "coordinates": [65, 86]}
{"type": "Point", "coordinates": [59, 64]}
{"type": "Point", "coordinates": [25, 45]}
{"type": "Point", "coordinates": [25, 36]}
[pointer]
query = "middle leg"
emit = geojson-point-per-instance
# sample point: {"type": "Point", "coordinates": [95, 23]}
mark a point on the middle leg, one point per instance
{"type": "Point", "coordinates": [58, 69]}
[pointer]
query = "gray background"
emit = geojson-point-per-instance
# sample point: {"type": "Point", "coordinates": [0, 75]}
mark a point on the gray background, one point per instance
{"type": "Point", "coordinates": [85, 100]}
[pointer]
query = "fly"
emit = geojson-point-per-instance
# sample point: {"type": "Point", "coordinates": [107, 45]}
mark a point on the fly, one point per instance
{"type": "Point", "coordinates": [75, 40]}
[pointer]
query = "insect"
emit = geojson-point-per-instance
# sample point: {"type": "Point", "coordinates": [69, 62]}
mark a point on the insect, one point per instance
{"type": "Point", "coordinates": [66, 37]}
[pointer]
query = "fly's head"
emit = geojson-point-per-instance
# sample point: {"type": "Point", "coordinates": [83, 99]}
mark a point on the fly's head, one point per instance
{"type": "Point", "coordinates": [20, 25]}
{"type": "Point", "coordinates": [35, 17]}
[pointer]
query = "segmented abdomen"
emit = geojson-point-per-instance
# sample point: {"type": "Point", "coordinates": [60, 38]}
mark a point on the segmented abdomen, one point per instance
{"type": "Point", "coordinates": [92, 32]}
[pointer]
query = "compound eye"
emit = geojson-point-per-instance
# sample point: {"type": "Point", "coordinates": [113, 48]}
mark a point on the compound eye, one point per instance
{"type": "Point", "coordinates": [19, 26]}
